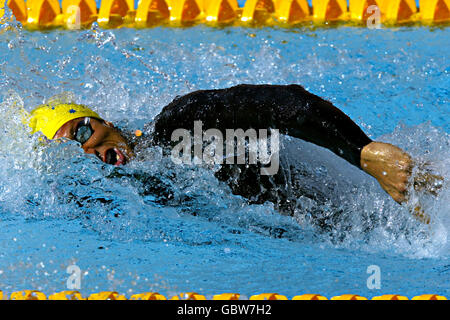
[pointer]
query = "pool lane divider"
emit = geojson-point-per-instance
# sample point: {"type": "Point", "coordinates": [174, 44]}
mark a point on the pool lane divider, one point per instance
{"type": "Point", "coordinates": [37, 14]}
{"type": "Point", "coordinates": [112, 295]}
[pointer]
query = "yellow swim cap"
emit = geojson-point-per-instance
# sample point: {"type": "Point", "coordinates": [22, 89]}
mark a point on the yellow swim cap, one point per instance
{"type": "Point", "coordinates": [51, 117]}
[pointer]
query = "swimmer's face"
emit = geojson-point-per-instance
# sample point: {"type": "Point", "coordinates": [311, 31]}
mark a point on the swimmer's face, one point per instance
{"type": "Point", "coordinates": [97, 137]}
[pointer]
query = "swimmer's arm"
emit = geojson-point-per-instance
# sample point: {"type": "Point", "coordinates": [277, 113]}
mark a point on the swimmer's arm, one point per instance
{"type": "Point", "coordinates": [146, 185]}
{"type": "Point", "coordinates": [295, 112]}
{"type": "Point", "coordinates": [289, 108]}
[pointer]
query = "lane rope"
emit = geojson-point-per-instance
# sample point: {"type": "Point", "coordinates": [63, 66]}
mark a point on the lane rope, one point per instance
{"type": "Point", "coordinates": [73, 14]}
{"type": "Point", "coordinates": [112, 295]}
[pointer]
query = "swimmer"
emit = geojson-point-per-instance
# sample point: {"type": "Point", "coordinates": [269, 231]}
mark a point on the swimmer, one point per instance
{"type": "Point", "coordinates": [289, 108]}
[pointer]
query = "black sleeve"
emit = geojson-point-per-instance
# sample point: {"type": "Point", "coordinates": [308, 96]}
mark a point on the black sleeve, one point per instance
{"type": "Point", "coordinates": [289, 108]}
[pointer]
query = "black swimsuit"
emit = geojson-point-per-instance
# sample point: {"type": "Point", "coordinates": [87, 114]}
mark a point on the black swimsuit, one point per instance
{"type": "Point", "coordinates": [289, 108]}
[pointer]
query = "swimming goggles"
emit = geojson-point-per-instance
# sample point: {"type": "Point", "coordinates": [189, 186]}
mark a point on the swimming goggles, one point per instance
{"type": "Point", "coordinates": [83, 131]}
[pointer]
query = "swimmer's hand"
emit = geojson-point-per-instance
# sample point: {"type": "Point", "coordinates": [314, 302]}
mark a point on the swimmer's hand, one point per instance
{"type": "Point", "coordinates": [392, 167]}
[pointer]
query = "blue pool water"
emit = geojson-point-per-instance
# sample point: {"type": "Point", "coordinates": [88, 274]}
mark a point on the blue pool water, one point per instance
{"type": "Point", "coordinates": [393, 82]}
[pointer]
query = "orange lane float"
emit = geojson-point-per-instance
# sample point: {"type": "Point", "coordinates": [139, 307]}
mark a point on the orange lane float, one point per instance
{"type": "Point", "coordinates": [329, 10]}
{"type": "Point", "coordinates": [361, 10]}
{"type": "Point", "coordinates": [107, 295]}
{"type": "Point", "coordinates": [390, 297]}
{"type": "Point", "coordinates": [114, 13]}
{"type": "Point", "coordinates": [268, 296]}
{"type": "Point", "coordinates": [292, 11]}
{"type": "Point", "coordinates": [28, 295]}
{"type": "Point", "coordinates": [185, 10]}
{"type": "Point", "coordinates": [188, 296]}
{"type": "Point", "coordinates": [258, 11]}
{"type": "Point", "coordinates": [148, 296]}
{"type": "Point", "coordinates": [348, 297]}
{"type": "Point", "coordinates": [79, 12]}
{"type": "Point", "coordinates": [435, 10]}
{"type": "Point", "coordinates": [221, 11]}
{"type": "Point", "coordinates": [399, 10]}
{"type": "Point", "coordinates": [66, 295]}
{"type": "Point", "coordinates": [309, 297]}
{"type": "Point", "coordinates": [44, 13]}
{"type": "Point", "coordinates": [227, 296]}
{"type": "Point", "coordinates": [150, 12]}
{"type": "Point", "coordinates": [19, 9]}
